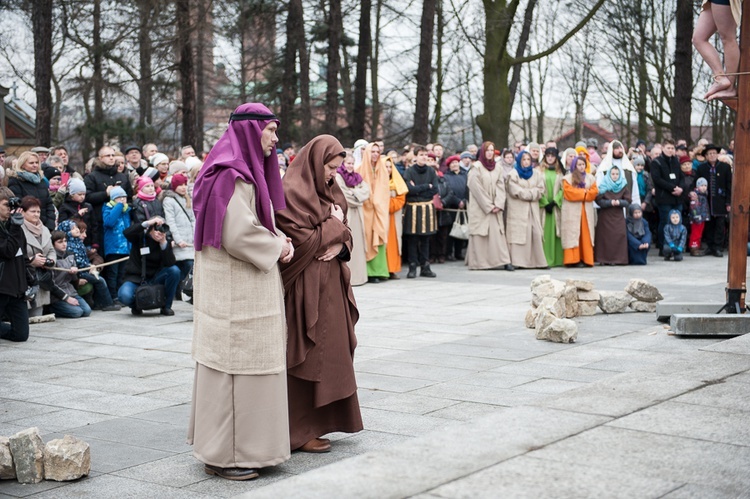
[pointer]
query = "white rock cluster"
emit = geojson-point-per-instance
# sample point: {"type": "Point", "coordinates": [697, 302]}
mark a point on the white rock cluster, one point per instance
{"type": "Point", "coordinates": [24, 457]}
{"type": "Point", "coordinates": [554, 303]}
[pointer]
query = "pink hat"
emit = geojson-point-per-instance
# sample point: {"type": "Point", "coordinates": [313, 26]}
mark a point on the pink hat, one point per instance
{"type": "Point", "coordinates": [178, 179]}
{"type": "Point", "coordinates": [143, 181]}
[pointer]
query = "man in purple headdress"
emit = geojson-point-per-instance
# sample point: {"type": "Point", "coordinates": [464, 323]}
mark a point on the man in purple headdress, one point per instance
{"type": "Point", "coordinates": [239, 419]}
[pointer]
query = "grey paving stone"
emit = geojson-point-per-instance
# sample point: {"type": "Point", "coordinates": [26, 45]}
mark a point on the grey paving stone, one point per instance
{"type": "Point", "coordinates": [681, 459]}
{"type": "Point", "coordinates": [179, 394]}
{"type": "Point", "coordinates": [420, 356]}
{"type": "Point", "coordinates": [110, 486]}
{"type": "Point", "coordinates": [692, 491]}
{"type": "Point", "coordinates": [365, 441]}
{"type": "Point", "coordinates": [402, 470]}
{"type": "Point", "coordinates": [739, 345]}
{"type": "Point", "coordinates": [408, 370]}
{"type": "Point", "coordinates": [175, 471]}
{"type": "Point", "coordinates": [481, 394]}
{"type": "Point", "coordinates": [390, 383]}
{"type": "Point", "coordinates": [483, 352]}
{"type": "Point", "coordinates": [141, 433]}
{"type": "Point", "coordinates": [526, 477]}
{"type": "Point", "coordinates": [540, 369]}
{"type": "Point", "coordinates": [177, 415]}
{"type": "Point", "coordinates": [706, 366]}
{"type": "Point", "coordinates": [180, 376]}
{"type": "Point", "coordinates": [39, 357]}
{"type": "Point", "coordinates": [121, 367]}
{"type": "Point", "coordinates": [14, 489]}
{"type": "Point", "coordinates": [408, 403]}
{"type": "Point", "coordinates": [61, 420]}
{"type": "Point", "coordinates": [105, 382]}
{"type": "Point", "coordinates": [11, 410]}
{"type": "Point", "coordinates": [400, 423]}
{"type": "Point", "coordinates": [495, 379]}
{"type": "Point", "coordinates": [19, 389]}
{"type": "Point", "coordinates": [105, 403]}
{"type": "Point", "coordinates": [716, 424]}
{"type": "Point", "coordinates": [466, 411]}
{"type": "Point", "coordinates": [733, 394]}
{"type": "Point", "coordinates": [218, 487]}
{"type": "Point", "coordinates": [550, 386]}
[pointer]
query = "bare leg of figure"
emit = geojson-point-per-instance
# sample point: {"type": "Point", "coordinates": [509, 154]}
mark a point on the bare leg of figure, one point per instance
{"type": "Point", "coordinates": [724, 22]}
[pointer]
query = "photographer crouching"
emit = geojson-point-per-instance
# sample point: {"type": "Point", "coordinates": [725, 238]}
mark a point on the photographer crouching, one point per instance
{"type": "Point", "coordinates": [13, 260]}
{"type": "Point", "coordinates": [152, 264]}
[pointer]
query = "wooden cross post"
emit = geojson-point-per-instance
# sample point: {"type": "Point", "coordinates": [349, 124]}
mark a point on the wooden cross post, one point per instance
{"type": "Point", "coordinates": [740, 214]}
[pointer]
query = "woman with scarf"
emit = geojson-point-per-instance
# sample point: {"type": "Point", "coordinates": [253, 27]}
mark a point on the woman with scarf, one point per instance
{"type": "Point", "coordinates": [320, 307]}
{"type": "Point", "coordinates": [577, 215]}
{"type": "Point", "coordinates": [146, 205]}
{"type": "Point", "coordinates": [639, 236]}
{"type": "Point", "coordinates": [398, 190]}
{"type": "Point", "coordinates": [507, 163]}
{"type": "Point", "coordinates": [488, 248]}
{"type": "Point", "coordinates": [26, 180]}
{"type": "Point", "coordinates": [611, 233]}
{"type": "Point", "coordinates": [583, 153]}
{"type": "Point", "coordinates": [356, 191]}
{"type": "Point", "coordinates": [525, 187]}
{"type": "Point", "coordinates": [549, 207]}
{"type": "Point", "coordinates": [40, 251]}
{"type": "Point", "coordinates": [566, 160]}
{"type": "Point", "coordinates": [375, 210]}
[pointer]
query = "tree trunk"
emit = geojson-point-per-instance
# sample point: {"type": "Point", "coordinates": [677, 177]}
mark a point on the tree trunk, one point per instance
{"type": "Point", "coordinates": [683, 71]}
{"type": "Point", "coordinates": [187, 71]}
{"type": "Point", "coordinates": [200, 80]}
{"type": "Point", "coordinates": [439, 75]}
{"type": "Point", "coordinates": [346, 87]}
{"type": "Point", "coordinates": [335, 28]}
{"type": "Point", "coordinates": [375, 111]}
{"type": "Point", "coordinates": [421, 131]}
{"type": "Point", "coordinates": [146, 82]}
{"type": "Point", "coordinates": [523, 40]}
{"type": "Point", "coordinates": [360, 80]}
{"type": "Point", "coordinates": [98, 77]}
{"type": "Point", "coordinates": [289, 87]}
{"type": "Point", "coordinates": [41, 19]}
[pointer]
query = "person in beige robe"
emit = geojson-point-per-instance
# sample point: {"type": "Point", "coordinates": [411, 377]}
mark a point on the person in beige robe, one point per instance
{"type": "Point", "coordinates": [488, 248]}
{"type": "Point", "coordinates": [524, 225]}
{"type": "Point", "coordinates": [355, 196]}
{"type": "Point", "coordinates": [239, 420]}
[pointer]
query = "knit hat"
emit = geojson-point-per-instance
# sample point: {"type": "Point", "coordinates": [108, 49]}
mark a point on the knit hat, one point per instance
{"type": "Point", "coordinates": [178, 179]}
{"type": "Point", "coordinates": [467, 154]}
{"type": "Point", "coordinates": [51, 172]}
{"type": "Point", "coordinates": [451, 159]}
{"type": "Point", "coordinates": [685, 159]}
{"type": "Point", "coordinates": [143, 181]}
{"type": "Point", "coordinates": [701, 181]}
{"type": "Point", "coordinates": [177, 166]}
{"type": "Point", "coordinates": [158, 158]}
{"type": "Point", "coordinates": [117, 192]}
{"type": "Point", "coordinates": [76, 186]}
{"type": "Point", "coordinates": [638, 160]}
{"type": "Point", "coordinates": [193, 163]}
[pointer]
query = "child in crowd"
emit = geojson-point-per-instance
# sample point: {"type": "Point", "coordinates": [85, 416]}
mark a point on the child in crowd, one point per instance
{"type": "Point", "coordinates": [75, 246]}
{"type": "Point", "coordinates": [65, 301]}
{"type": "Point", "coordinates": [146, 205]}
{"type": "Point", "coordinates": [76, 206]}
{"type": "Point", "coordinates": [699, 215]}
{"type": "Point", "coordinates": [116, 216]}
{"type": "Point", "coordinates": [639, 236]}
{"type": "Point", "coordinates": [675, 237]}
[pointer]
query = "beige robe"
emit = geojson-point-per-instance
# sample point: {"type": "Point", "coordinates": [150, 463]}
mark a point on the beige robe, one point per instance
{"type": "Point", "coordinates": [524, 227]}
{"type": "Point", "coordinates": [571, 217]}
{"type": "Point", "coordinates": [355, 196]}
{"type": "Point", "coordinates": [488, 248]}
{"type": "Point", "coordinates": [239, 413]}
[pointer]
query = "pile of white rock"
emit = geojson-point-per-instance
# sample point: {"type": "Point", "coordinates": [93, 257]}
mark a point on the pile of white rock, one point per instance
{"type": "Point", "coordinates": [554, 303]}
{"type": "Point", "coordinates": [25, 457]}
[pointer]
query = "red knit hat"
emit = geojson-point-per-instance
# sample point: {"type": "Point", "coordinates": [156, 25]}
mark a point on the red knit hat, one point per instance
{"type": "Point", "coordinates": [178, 179]}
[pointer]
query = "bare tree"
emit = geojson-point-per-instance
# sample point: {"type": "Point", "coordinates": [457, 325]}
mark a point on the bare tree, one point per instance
{"type": "Point", "coordinates": [421, 131]}
{"type": "Point", "coordinates": [683, 76]}
{"type": "Point", "coordinates": [186, 68]}
{"type": "Point", "coordinates": [41, 16]}
{"type": "Point", "coordinates": [360, 80]}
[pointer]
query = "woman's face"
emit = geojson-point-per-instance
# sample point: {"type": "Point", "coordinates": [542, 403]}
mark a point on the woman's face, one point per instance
{"type": "Point", "coordinates": [181, 189]}
{"type": "Point", "coordinates": [388, 166]}
{"type": "Point", "coordinates": [32, 215]}
{"type": "Point", "coordinates": [455, 166]}
{"type": "Point", "coordinates": [120, 164]}
{"type": "Point", "coordinates": [490, 153]}
{"type": "Point", "coordinates": [508, 158]}
{"type": "Point", "coordinates": [31, 165]}
{"type": "Point", "coordinates": [550, 159]}
{"type": "Point", "coordinates": [349, 164]}
{"type": "Point", "coordinates": [614, 174]}
{"type": "Point", "coordinates": [163, 167]}
{"type": "Point", "coordinates": [686, 167]}
{"type": "Point", "coordinates": [581, 166]}
{"type": "Point", "coordinates": [569, 160]}
{"type": "Point", "coordinates": [638, 167]}
{"type": "Point", "coordinates": [637, 214]}
{"type": "Point", "coordinates": [525, 160]}
{"type": "Point", "coordinates": [148, 189]}
{"type": "Point", "coordinates": [331, 167]}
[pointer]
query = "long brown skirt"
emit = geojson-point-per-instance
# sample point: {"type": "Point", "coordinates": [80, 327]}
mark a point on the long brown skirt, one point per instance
{"type": "Point", "coordinates": [239, 421]}
{"type": "Point", "coordinates": [307, 422]}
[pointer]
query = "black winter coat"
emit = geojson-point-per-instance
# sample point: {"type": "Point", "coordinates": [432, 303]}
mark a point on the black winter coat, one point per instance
{"type": "Point", "coordinates": [13, 260]}
{"type": "Point", "coordinates": [69, 209]}
{"type": "Point", "coordinates": [720, 190]}
{"type": "Point", "coordinates": [156, 259]}
{"type": "Point", "coordinates": [22, 188]}
{"type": "Point", "coordinates": [666, 174]}
{"type": "Point", "coordinates": [449, 200]}
{"type": "Point", "coordinates": [457, 183]}
{"type": "Point", "coordinates": [96, 183]}
{"type": "Point", "coordinates": [418, 179]}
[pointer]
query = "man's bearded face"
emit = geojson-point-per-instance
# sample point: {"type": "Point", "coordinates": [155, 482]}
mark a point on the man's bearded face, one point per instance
{"type": "Point", "coordinates": [617, 152]}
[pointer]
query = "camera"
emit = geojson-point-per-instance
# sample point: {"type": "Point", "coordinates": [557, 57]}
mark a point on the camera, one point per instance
{"type": "Point", "coordinates": [163, 228]}
{"type": "Point", "coordinates": [14, 203]}
{"type": "Point", "coordinates": [49, 263]}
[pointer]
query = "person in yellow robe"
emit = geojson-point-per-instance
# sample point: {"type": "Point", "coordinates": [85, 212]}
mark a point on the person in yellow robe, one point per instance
{"type": "Point", "coordinates": [398, 191]}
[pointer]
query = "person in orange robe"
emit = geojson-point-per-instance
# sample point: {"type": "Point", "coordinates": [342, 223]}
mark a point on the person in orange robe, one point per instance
{"type": "Point", "coordinates": [398, 190]}
{"type": "Point", "coordinates": [578, 218]}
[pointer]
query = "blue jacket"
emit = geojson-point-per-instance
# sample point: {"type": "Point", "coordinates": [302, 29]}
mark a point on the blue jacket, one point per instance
{"type": "Point", "coordinates": [116, 218]}
{"type": "Point", "coordinates": [75, 244]}
{"type": "Point", "coordinates": [675, 235]}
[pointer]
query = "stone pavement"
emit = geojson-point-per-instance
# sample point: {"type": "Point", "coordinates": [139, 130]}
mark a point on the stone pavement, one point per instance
{"type": "Point", "coordinates": [458, 398]}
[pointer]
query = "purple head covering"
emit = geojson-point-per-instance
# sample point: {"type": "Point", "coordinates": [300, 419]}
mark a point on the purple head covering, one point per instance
{"type": "Point", "coordinates": [350, 179]}
{"type": "Point", "coordinates": [237, 155]}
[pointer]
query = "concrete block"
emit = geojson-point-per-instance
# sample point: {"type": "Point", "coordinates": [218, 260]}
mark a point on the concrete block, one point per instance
{"type": "Point", "coordinates": [710, 324]}
{"type": "Point", "coordinates": [666, 309]}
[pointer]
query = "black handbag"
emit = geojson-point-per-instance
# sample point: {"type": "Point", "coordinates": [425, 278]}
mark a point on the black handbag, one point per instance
{"type": "Point", "coordinates": [149, 296]}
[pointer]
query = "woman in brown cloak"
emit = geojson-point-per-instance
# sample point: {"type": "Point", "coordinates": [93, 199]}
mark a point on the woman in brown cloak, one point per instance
{"type": "Point", "coordinates": [320, 307]}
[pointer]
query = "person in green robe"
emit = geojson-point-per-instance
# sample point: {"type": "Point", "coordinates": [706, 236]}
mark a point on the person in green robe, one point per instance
{"type": "Point", "coordinates": [549, 206]}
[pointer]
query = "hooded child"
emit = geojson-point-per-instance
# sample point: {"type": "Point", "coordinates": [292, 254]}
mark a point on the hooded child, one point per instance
{"type": "Point", "coordinates": [675, 237]}
{"type": "Point", "coordinates": [639, 236]}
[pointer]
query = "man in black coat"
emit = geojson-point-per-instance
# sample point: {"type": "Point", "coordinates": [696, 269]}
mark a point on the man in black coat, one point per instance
{"type": "Point", "coordinates": [719, 178]}
{"type": "Point", "coordinates": [150, 242]}
{"type": "Point", "coordinates": [12, 272]}
{"type": "Point", "coordinates": [102, 179]}
{"type": "Point", "coordinates": [667, 177]}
